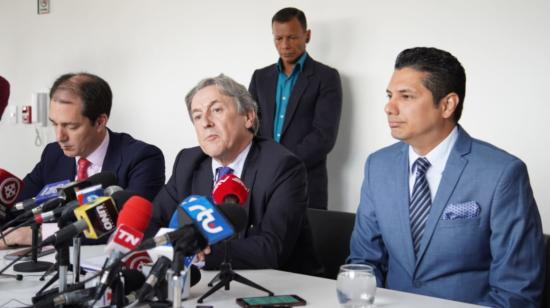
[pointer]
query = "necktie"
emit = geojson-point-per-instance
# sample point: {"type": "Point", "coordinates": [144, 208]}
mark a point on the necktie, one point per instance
{"type": "Point", "coordinates": [221, 172]}
{"type": "Point", "coordinates": [82, 172]}
{"type": "Point", "coordinates": [421, 202]}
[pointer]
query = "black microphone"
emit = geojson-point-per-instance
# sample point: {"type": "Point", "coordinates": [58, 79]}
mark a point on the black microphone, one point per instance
{"type": "Point", "coordinates": [54, 215]}
{"type": "Point", "coordinates": [49, 191]}
{"type": "Point", "coordinates": [166, 238]}
{"type": "Point", "coordinates": [157, 273]}
{"type": "Point", "coordinates": [65, 234]}
{"type": "Point", "coordinates": [68, 298]}
{"type": "Point", "coordinates": [105, 178]}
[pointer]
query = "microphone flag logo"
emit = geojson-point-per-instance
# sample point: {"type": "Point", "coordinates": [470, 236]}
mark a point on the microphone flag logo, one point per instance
{"type": "Point", "coordinates": [208, 220]}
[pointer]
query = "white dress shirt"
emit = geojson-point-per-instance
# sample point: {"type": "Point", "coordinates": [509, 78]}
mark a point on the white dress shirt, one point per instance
{"type": "Point", "coordinates": [438, 159]}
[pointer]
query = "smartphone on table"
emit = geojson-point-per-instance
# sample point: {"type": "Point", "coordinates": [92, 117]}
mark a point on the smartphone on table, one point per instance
{"type": "Point", "coordinates": [271, 301]}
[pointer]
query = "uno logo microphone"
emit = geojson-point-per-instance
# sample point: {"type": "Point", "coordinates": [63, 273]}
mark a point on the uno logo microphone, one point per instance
{"type": "Point", "coordinates": [100, 216]}
{"type": "Point", "coordinates": [211, 223]}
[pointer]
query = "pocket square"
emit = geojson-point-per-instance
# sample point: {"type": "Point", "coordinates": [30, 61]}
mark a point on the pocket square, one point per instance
{"type": "Point", "coordinates": [465, 210]}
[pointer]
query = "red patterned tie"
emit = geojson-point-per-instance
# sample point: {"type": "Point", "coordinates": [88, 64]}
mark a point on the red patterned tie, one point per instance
{"type": "Point", "coordinates": [82, 172]}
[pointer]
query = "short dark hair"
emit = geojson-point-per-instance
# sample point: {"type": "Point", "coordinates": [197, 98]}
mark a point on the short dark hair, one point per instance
{"type": "Point", "coordinates": [287, 14]}
{"type": "Point", "coordinates": [95, 93]}
{"type": "Point", "coordinates": [445, 74]}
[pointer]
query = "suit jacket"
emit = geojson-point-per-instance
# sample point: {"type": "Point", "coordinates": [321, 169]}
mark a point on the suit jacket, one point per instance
{"type": "Point", "coordinates": [311, 120]}
{"type": "Point", "coordinates": [138, 166]}
{"type": "Point", "coordinates": [482, 242]}
{"type": "Point", "coordinates": [277, 234]}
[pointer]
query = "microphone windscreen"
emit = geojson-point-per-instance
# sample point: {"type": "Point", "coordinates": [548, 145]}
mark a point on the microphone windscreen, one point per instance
{"type": "Point", "coordinates": [133, 280]}
{"type": "Point", "coordinates": [230, 186]}
{"type": "Point", "coordinates": [10, 188]}
{"type": "Point", "coordinates": [235, 214]}
{"type": "Point", "coordinates": [121, 197]}
{"type": "Point", "coordinates": [195, 274]}
{"type": "Point", "coordinates": [136, 213]}
{"type": "Point", "coordinates": [105, 178]}
{"type": "Point", "coordinates": [109, 191]}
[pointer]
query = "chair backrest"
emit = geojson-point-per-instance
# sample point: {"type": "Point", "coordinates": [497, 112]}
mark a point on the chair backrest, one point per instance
{"type": "Point", "coordinates": [546, 292]}
{"type": "Point", "coordinates": [331, 237]}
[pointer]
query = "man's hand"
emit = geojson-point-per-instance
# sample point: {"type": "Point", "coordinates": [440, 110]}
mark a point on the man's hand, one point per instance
{"type": "Point", "coordinates": [21, 237]}
{"type": "Point", "coordinates": [202, 254]}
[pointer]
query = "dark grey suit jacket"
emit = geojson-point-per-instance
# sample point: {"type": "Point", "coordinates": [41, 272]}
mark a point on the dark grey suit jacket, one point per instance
{"type": "Point", "coordinates": [277, 233]}
{"type": "Point", "coordinates": [311, 122]}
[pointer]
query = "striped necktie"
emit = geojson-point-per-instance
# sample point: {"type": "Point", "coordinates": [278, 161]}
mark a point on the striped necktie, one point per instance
{"type": "Point", "coordinates": [421, 202]}
{"type": "Point", "coordinates": [221, 172]}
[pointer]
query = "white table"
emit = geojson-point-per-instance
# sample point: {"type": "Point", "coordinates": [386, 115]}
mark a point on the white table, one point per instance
{"type": "Point", "coordinates": [318, 292]}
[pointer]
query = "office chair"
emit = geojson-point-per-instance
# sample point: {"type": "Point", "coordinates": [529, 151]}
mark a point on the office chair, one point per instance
{"type": "Point", "coordinates": [331, 237]}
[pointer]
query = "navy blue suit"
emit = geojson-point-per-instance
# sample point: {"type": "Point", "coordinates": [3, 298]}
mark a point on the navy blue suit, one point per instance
{"type": "Point", "coordinates": [482, 242]}
{"type": "Point", "coordinates": [277, 233]}
{"type": "Point", "coordinates": [138, 166]}
{"type": "Point", "coordinates": [311, 121]}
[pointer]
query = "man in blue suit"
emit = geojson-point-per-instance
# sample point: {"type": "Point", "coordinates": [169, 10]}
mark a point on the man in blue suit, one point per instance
{"type": "Point", "coordinates": [441, 213]}
{"type": "Point", "coordinates": [299, 101]}
{"type": "Point", "coordinates": [80, 105]}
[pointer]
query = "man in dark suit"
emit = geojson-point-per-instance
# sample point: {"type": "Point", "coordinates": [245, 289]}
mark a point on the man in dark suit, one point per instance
{"type": "Point", "coordinates": [441, 213]}
{"type": "Point", "coordinates": [299, 101]}
{"type": "Point", "coordinates": [224, 116]}
{"type": "Point", "coordinates": [80, 105]}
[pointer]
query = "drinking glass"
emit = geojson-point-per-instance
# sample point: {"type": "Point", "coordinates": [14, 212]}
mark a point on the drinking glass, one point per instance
{"type": "Point", "coordinates": [356, 286]}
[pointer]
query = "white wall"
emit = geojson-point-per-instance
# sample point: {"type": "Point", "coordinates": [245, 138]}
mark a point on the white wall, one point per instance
{"type": "Point", "coordinates": [153, 52]}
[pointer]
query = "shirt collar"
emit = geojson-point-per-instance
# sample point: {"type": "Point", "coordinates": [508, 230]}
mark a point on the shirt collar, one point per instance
{"type": "Point", "coordinates": [98, 155]}
{"type": "Point", "coordinates": [437, 156]}
{"type": "Point", "coordinates": [237, 165]}
{"type": "Point", "coordinates": [299, 64]}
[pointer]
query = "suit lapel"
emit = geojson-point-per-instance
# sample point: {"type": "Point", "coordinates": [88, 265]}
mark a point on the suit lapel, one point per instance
{"type": "Point", "coordinates": [298, 91]}
{"type": "Point", "coordinates": [203, 180]}
{"type": "Point", "coordinates": [268, 110]}
{"type": "Point", "coordinates": [249, 174]}
{"type": "Point", "coordinates": [402, 174]}
{"type": "Point", "coordinates": [451, 174]}
{"type": "Point", "coordinates": [113, 157]}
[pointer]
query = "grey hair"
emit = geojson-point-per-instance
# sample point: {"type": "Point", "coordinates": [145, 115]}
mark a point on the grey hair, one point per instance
{"type": "Point", "coordinates": [228, 87]}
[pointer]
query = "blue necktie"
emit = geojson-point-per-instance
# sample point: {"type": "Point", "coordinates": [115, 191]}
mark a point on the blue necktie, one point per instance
{"type": "Point", "coordinates": [221, 172]}
{"type": "Point", "coordinates": [421, 202]}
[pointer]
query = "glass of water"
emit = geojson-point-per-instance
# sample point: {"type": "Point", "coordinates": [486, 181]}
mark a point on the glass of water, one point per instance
{"type": "Point", "coordinates": [356, 286]}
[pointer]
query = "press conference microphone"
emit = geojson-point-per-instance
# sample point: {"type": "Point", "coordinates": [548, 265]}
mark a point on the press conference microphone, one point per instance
{"type": "Point", "coordinates": [115, 192]}
{"type": "Point", "coordinates": [132, 222]}
{"type": "Point", "coordinates": [53, 215]}
{"type": "Point", "coordinates": [105, 178]}
{"type": "Point", "coordinates": [158, 272]}
{"type": "Point", "coordinates": [65, 234]}
{"type": "Point", "coordinates": [214, 223]}
{"type": "Point", "coordinates": [230, 189]}
{"type": "Point", "coordinates": [68, 298]}
{"type": "Point", "coordinates": [48, 192]}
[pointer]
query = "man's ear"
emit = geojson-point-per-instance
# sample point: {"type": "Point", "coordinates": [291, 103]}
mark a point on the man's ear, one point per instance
{"type": "Point", "coordinates": [448, 104]}
{"type": "Point", "coordinates": [101, 121]}
{"type": "Point", "coordinates": [308, 36]}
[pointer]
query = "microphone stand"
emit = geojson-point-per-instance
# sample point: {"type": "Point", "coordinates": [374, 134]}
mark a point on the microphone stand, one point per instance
{"type": "Point", "coordinates": [76, 259]}
{"type": "Point", "coordinates": [226, 275]}
{"type": "Point", "coordinates": [177, 266]}
{"type": "Point", "coordinates": [33, 265]}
